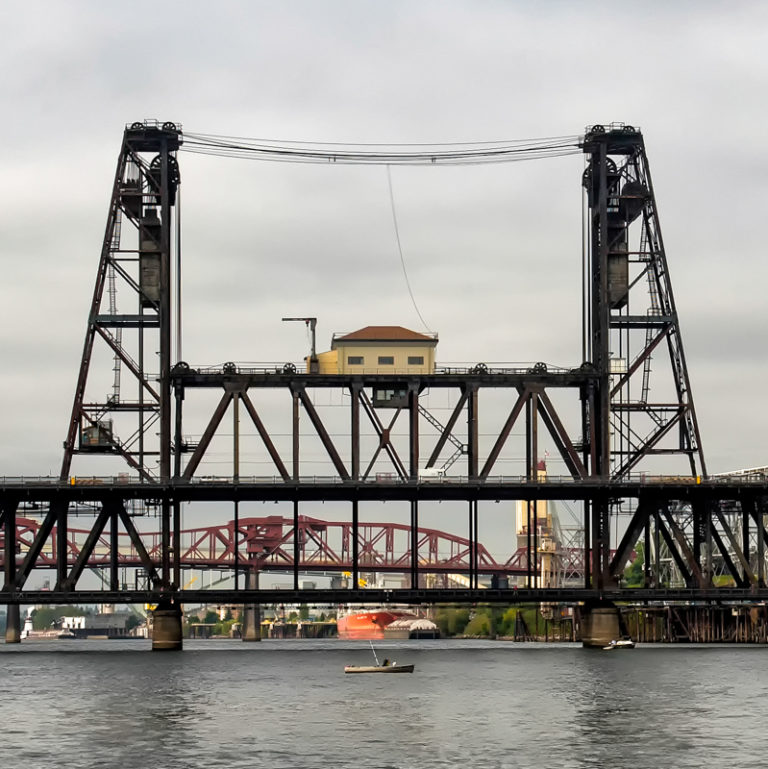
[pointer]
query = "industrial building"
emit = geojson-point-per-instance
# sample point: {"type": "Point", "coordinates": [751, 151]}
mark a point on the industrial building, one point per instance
{"type": "Point", "coordinates": [380, 350]}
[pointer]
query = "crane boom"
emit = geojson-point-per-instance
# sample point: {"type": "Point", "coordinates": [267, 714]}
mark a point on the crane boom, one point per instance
{"type": "Point", "coordinates": [312, 324]}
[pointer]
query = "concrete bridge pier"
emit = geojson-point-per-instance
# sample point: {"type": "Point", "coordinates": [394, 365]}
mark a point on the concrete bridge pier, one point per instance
{"type": "Point", "coordinates": [12, 624]}
{"type": "Point", "coordinates": [251, 611]}
{"type": "Point", "coordinates": [600, 624]}
{"type": "Point", "coordinates": [166, 627]}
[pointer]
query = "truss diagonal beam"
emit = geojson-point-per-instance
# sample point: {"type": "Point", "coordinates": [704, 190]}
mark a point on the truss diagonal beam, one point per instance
{"type": "Point", "coordinates": [639, 360]}
{"type": "Point", "coordinates": [727, 560]}
{"type": "Point", "coordinates": [680, 561]}
{"type": "Point", "coordinates": [447, 432]}
{"type": "Point", "coordinates": [735, 547]}
{"type": "Point", "coordinates": [207, 437]}
{"type": "Point", "coordinates": [138, 545]}
{"type": "Point", "coordinates": [129, 362]}
{"type": "Point", "coordinates": [635, 527]}
{"type": "Point", "coordinates": [522, 399]}
{"type": "Point", "coordinates": [85, 552]}
{"type": "Point", "coordinates": [325, 438]}
{"type": "Point", "coordinates": [650, 442]}
{"type": "Point", "coordinates": [684, 549]}
{"type": "Point", "coordinates": [250, 408]}
{"type": "Point", "coordinates": [560, 436]}
{"type": "Point", "coordinates": [46, 527]}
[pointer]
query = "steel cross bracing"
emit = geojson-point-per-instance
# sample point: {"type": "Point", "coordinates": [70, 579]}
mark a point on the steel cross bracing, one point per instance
{"type": "Point", "coordinates": [721, 531]}
{"type": "Point", "coordinates": [603, 420]}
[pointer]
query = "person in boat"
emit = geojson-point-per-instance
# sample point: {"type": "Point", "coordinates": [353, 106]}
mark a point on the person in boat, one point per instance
{"type": "Point", "coordinates": [385, 663]}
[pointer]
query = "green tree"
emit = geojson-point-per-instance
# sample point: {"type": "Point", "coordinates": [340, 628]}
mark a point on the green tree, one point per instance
{"type": "Point", "coordinates": [507, 622]}
{"type": "Point", "coordinates": [303, 612]}
{"type": "Point", "coordinates": [452, 621]}
{"type": "Point", "coordinates": [479, 625]}
{"type": "Point", "coordinates": [634, 573]}
{"type": "Point", "coordinates": [224, 627]}
{"type": "Point", "coordinates": [210, 617]}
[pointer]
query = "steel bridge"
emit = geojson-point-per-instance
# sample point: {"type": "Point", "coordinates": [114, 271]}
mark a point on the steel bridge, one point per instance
{"type": "Point", "coordinates": [113, 540]}
{"type": "Point", "coordinates": [621, 423]}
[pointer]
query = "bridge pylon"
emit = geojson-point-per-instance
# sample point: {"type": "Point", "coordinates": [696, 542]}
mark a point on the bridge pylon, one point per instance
{"type": "Point", "coordinates": [130, 319]}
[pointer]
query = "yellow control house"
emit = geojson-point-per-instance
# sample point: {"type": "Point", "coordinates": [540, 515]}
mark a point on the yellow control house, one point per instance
{"type": "Point", "coordinates": [380, 350]}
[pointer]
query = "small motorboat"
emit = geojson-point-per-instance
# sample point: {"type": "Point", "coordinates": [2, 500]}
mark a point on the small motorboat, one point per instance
{"type": "Point", "coordinates": [66, 633]}
{"type": "Point", "coordinates": [393, 668]}
{"type": "Point", "coordinates": [379, 667]}
{"type": "Point", "coordinates": [623, 643]}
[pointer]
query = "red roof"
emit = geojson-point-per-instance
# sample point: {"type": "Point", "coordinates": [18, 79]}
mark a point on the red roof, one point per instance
{"type": "Point", "coordinates": [386, 334]}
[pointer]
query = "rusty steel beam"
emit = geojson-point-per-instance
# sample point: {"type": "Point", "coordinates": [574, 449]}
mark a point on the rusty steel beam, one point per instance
{"type": "Point", "coordinates": [639, 360]}
{"type": "Point", "coordinates": [70, 581]}
{"type": "Point", "coordinates": [473, 442]}
{"type": "Point", "coordinates": [444, 435]}
{"type": "Point", "coordinates": [355, 390]}
{"type": "Point", "coordinates": [650, 442]}
{"type": "Point", "coordinates": [61, 545]}
{"type": "Point", "coordinates": [560, 436]}
{"type": "Point", "coordinates": [680, 561]}
{"type": "Point", "coordinates": [684, 549]}
{"type": "Point", "coordinates": [138, 545]}
{"type": "Point", "coordinates": [114, 545]}
{"type": "Point", "coordinates": [265, 437]}
{"type": "Point", "coordinates": [637, 523]}
{"type": "Point", "coordinates": [322, 433]}
{"type": "Point", "coordinates": [8, 509]}
{"type": "Point", "coordinates": [46, 527]}
{"type": "Point", "coordinates": [383, 434]}
{"type": "Point", "coordinates": [738, 578]}
{"type": "Point", "coordinates": [207, 437]}
{"type": "Point", "coordinates": [522, 399]}
{"type": "Point", "coordinates": [128, 361]}
{"type": "Point", "coordinates": [413, 433]}
{"type": "Point", "coordinates": [742, 557]}
{"type": "Point", "coordinates": [755, 511]}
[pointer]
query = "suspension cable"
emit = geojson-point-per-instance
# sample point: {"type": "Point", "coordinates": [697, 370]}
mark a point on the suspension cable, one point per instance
{"type": "Point", "coordinates": [451, 153]}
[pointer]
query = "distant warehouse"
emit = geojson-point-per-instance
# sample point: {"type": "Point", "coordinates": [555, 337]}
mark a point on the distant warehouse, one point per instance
{"type": "Point", "coordinates": [380, 350]}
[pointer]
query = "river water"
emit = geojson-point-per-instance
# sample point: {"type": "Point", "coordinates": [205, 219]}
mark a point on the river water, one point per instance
{"type": "Point", "coordinates": [287, 703]}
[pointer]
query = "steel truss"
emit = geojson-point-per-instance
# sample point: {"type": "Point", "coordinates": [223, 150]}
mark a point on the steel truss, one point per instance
{"type": "Point", "coordinates": [611, 427]}
{"type": "Point", "coordinates": [267, 544]}
{"type": "Point", "coordinates": [132, 296]}
{"type": "Point", "coordinates": [708, 541]}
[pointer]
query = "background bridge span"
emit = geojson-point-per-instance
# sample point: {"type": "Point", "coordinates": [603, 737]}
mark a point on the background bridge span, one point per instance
{"type": "Point", "coordinates": [268, 544]}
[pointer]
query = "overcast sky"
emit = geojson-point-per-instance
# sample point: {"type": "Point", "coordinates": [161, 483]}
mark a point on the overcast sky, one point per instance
{"type": "Point", "coordinates": [493, 254]}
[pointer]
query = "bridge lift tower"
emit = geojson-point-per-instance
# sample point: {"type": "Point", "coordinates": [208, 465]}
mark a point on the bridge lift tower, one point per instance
{"type": "Point", "coordinates": [136, 266]}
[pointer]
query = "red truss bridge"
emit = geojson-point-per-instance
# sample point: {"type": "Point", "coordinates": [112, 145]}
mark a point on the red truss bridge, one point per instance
{"type": "Point", "coordinates": [270, 544]}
